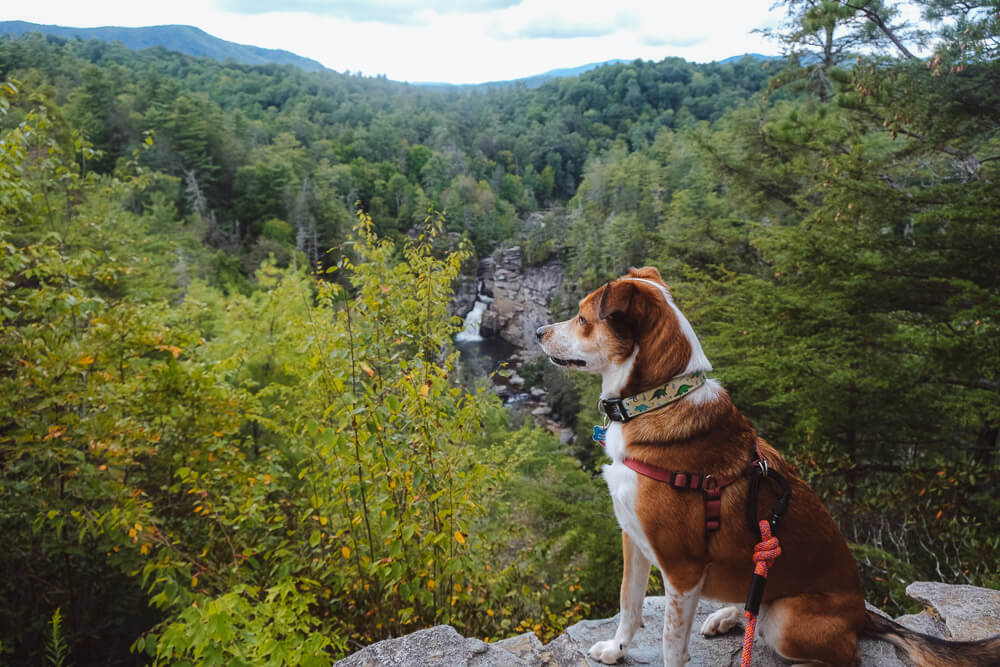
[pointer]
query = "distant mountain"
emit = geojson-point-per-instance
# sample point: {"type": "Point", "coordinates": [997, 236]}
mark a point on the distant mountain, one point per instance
{"type": "Point", "coordinates": [533, 81]}
{"type": "Point", "coordinates": [755, 56]}
{"type": "Point", "coordinates": [540, 79]}
{"type": "Point", "coordinates": [183, 38]}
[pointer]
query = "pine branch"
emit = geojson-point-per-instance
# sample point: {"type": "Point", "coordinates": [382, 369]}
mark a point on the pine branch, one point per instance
{"type": "Point", "coordinates": [874, 17]}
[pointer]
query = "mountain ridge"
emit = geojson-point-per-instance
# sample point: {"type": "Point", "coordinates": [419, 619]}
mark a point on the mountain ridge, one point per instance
{"type": "Point", "coordinates": [195, 42]}
{"type": "Point", "coordinates": [186, 39]}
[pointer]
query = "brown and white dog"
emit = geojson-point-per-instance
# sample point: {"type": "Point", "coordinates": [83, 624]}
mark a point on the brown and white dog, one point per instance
{"type": "Point", "coordinates": [633, 335]}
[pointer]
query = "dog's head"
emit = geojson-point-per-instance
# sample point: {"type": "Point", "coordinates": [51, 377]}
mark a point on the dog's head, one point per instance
{"type": "Point", "coordinates": [629, 326]}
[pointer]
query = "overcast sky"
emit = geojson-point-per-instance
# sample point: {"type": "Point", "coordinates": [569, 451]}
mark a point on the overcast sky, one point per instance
{"type": "Point", "coordinates": [459, 41]}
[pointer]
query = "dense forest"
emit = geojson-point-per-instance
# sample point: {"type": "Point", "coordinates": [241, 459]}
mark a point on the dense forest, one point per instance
{"type": "Point", "coordinates": [232, 431]}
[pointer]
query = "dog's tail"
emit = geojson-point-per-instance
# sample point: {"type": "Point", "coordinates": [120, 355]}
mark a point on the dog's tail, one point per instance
{"type": "Point", "coordinates": [922, 650]}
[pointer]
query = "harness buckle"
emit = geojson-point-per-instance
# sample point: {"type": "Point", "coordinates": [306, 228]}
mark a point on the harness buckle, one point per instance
{"type": "Point", "coordinates": [762, 464]}
{"type": "Point", "coordinates": [710, 483]}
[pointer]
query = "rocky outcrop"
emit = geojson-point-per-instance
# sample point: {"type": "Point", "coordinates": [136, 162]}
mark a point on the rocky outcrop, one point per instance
{"type": "Point", "coordinates": [723, 651]}
{"type": "Point", "coordinates": [521, 296]}
{"type": "Point", "coordinates": [440, 645]}
{"type": "Point", "coordinates": [465, 295]}
{"type": "Point", "coordinates": [962, 613]}
{"type": "Point", "coordinates": [951, 612]}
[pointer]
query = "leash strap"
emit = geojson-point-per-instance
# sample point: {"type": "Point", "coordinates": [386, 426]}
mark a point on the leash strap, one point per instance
{"type": "Point", "coordinates": [764, 552]}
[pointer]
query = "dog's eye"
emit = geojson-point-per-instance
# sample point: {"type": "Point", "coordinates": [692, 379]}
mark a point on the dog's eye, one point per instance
{"type": "Point", "coordinates": [582, 321]}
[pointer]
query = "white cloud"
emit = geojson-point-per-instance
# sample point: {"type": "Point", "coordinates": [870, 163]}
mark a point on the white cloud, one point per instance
{"type": "Point", "coordinates": [415, 12]}
{"type": "Point", "coordinates": [451, 40]}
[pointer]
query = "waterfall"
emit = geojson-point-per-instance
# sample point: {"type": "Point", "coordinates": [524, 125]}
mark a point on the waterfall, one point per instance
{"type": "Point", "coordinates": [474, 318]}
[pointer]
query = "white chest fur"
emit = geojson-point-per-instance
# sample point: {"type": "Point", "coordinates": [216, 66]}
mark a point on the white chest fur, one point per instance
{"type": "Point", "coordinates": [623, 483]}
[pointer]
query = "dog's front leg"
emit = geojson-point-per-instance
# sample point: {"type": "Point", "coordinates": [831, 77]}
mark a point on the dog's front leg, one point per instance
{"type": "Point", "coordinates": [681, 603]}
{"type": "Point", "coordinates": [635, 578]}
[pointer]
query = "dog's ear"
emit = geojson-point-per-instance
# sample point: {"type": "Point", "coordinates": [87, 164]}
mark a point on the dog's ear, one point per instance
{"type": "Point", "coordinates": [648, 273]}
{"type": "Point", "coordinates": [616, 298]}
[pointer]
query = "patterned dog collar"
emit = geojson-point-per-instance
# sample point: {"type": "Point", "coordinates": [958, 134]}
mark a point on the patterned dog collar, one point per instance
{"type": "Point", "coordinates": [624, 409]}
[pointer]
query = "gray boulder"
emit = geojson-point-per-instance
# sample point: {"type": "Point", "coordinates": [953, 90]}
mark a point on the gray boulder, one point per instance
{"type": "Point", "coordinates": [968, 613]}
{"type": "Point", "coordinates": [440, 645]}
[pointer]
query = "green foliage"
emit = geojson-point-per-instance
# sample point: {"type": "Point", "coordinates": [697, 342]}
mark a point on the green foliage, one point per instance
{"type": "Point", "coordinates": [255, 477]}
{"type": "Point", "coordinates": [57, 650]}
{"type": "Point", "coordinates": [216, 632]}
{"type": "Point", "coordinates": [261, 142]}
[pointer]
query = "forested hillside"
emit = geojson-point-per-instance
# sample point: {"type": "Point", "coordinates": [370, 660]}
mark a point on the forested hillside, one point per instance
{"type": "Point", "coordinates": [232, 431]}
{"type": "Point", "coordinates": [182, 38]}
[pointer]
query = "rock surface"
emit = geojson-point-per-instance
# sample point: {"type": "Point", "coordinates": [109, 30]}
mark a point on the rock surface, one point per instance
{"type": "Point", "coordinates": [721, 651]}
{"type": "Point", "coordinates": [967, 612]}
{"type": "Point", "coordinates": [440, 645]}
{"type": "Point", "coordinates": [953, 612]}
{"type": "Point", "coordinates": [521, 296]}
{"type": "Point", "coordinates": [465, 295]}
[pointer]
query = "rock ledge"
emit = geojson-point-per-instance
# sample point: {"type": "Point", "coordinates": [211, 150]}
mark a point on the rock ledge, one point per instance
{"type": "Point", "coordinates": [951, 612]}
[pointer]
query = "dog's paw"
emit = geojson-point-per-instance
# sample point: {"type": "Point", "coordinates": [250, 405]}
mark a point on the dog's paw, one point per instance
{"type": "Point", "coordinates": [609, 651]}
{"type": "Point", "coordinates": [721, 621]}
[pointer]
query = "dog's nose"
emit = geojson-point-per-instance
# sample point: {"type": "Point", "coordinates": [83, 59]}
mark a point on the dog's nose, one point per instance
{"type": "Point", "coordinates": [540, 331]}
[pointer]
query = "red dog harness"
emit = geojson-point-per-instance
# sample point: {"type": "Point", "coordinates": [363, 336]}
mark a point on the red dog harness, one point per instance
{"type": "Point", "coordinates": [710, 487]}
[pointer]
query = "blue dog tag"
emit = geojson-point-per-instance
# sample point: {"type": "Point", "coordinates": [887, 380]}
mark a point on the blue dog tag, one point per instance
{"type": "Point", "coordinates": [599, 433]}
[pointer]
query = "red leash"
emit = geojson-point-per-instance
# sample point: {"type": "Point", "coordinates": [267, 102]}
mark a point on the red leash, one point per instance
{"type": "Point", "coordinates": [764, 553]}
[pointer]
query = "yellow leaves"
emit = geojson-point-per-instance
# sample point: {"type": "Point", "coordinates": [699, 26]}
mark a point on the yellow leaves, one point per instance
{"type": "Point", "coordinates": [322, 520]}
{"type": "Point", "coordinates": [155, 437]}
{"type": "Point", "coordinates": [489, 612]}
{"type": "Point", "coordinates": [194, 581]}
{"type": "Point", "coordinates": [425, 389]}
{"type": "Point", "coordinates": [345, 552]}
{"type": "Point", "coordinates": [367, 369]}
{"type": "Point", "coordinates": [430, 584]}
{"type": "Point", "coordinates": [55, 431]}
{"type": "Point", "coordinates": [459, 537]}
{"type": "Point", "coordinates": [85, 360]}
{"type": "Point", "coordinates": [172, 349]}
{"type": "Point", "coordinates": [144, 549]}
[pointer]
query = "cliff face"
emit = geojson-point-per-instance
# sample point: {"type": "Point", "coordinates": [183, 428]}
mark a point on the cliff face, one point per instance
{"type": "Point", "coordinates": [521, 296]}
{"type": "Point", "coordinates": [959, 613]}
